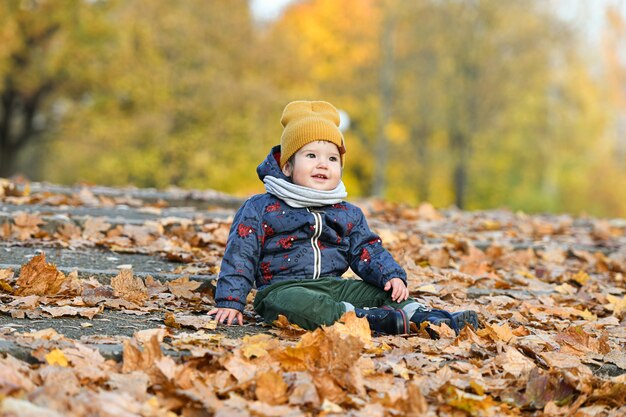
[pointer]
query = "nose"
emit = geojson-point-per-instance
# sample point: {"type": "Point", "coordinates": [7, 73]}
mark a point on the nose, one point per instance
{"type": "Point", "coordinates": [322, 163]}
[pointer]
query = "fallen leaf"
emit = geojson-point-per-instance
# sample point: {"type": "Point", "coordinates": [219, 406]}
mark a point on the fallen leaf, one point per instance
{"type": "Point", "coordinates": [350, 324]}
{"type": "Point", "coordinates": [616, 304]}
{"type": "Point", "coordinates": [271, 388]}
{"type": "Point", "coordinates": [56, 357]}
{"type": "Point", "coordinates": [240, 368]}
{"type": "Point", "coordinates": [581, 277]}
{"type": "Point", "coordinates": [135, 359]}
{"type": "Point", "coordinates": [22, 408]}
{"type": "Point", "coordinates": [258, 345]}
{"type": "Point", "coordinates": [72, 311]}
{"type": "Point", "coordinates": [496, 332]}
{"type": "Point", "coordinates": [135, 383]}
{"type": "Point", "coordinates": [94, 228]}
{"type": "Point", "coordinates": [184, 320]}
{"type": "Point", "coordinates": [128, 287]}
{"type": "Point", "coordinates": [183, 288]}
{"type": "Point", "coordinates": [514, 363]}
{"type": "Point", "coordinates": [39, 278]}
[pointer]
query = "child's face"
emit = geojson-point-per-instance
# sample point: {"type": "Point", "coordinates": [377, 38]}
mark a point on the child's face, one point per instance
{"type": "Point", "coordinates": [316, 165]}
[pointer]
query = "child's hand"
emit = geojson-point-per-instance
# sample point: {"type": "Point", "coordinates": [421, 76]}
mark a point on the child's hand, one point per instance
{"type": "Point", "coordinates": [227, 315]}
{"type": "Point", "coordinates": [399, 291]}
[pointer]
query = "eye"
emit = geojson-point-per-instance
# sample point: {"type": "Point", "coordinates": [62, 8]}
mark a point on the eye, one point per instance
{"type": "Point", "coordinates": [333, 159]}
{"type": "Point", "coordinates": [310, 155]}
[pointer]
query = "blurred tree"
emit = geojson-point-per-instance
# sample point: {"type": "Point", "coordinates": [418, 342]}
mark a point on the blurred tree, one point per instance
{"type": "Point", "coordinates": [47, 50]}
{"type": "Point", "coordinates": [478, 103]}
{"type": "Point", "coordinates": [469, 82]}
{"type": "Point", "coordinates": [182, 102]}
{"type": "Point", "coordinates": [330, 50]}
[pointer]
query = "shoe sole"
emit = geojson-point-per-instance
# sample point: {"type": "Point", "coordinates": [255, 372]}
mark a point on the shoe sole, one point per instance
{"type": "Point", "coordinates": [463, 318]}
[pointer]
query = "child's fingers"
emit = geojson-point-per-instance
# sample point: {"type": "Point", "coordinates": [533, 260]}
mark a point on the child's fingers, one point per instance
{"type": "Point", "coordinates": [396, 294]}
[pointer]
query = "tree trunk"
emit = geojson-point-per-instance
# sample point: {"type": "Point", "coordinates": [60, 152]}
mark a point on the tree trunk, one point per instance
{"type": "Point", "coordinates": [460, 146]}
{"type": "Point", "coordinates": [7, 155]}
{"type": "Point", "coordinates": [420, 138]}
{"type": "Point", "coordinates": [17, 111]}
{"type": "Point", "coordinates": [386, 101]}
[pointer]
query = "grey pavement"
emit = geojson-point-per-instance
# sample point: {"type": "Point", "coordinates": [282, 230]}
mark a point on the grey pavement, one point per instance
{"type": "Point", "coordinates": [120, 214]}
{"type": "Point", "coordinates": [173, 196]}
{"type": "Point", "coordinates": [107, 330]}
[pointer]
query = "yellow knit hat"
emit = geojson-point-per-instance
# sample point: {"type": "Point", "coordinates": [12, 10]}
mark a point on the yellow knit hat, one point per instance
{"type": "Point", "coordinates": [309, 121]}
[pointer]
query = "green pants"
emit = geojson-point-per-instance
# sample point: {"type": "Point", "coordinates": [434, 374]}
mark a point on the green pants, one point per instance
{"type": "Point", "coordinates": [312, 303]}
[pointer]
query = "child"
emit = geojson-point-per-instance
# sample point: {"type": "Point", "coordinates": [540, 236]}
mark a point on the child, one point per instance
{"type": "Point", "coordinates": [296, 240]}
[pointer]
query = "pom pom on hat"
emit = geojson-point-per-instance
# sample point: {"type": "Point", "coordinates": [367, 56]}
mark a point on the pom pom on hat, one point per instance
{"type": "Point", "coordinates": [309, 121]}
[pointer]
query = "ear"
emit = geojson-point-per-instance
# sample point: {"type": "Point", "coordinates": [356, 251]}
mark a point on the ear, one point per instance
{"type": "Point", "coordinates": [287, 169]}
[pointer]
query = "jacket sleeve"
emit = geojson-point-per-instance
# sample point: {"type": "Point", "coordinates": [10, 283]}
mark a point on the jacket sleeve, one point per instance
{"type": "Point", "coordinates": [241, 258]}
{"type": "Point", "coordinates": [368, 258]}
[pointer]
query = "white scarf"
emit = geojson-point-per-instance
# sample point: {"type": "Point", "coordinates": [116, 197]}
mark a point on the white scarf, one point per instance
{"type": "Point", "coordinates": [299, 196]}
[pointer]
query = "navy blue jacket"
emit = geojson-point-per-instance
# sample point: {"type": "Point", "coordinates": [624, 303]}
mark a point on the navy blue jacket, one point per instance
{"type": "Point", "coordinates": [270, 242]}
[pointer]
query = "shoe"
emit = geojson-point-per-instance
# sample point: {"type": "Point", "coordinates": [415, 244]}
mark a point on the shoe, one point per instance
{"type": "Point", "coordinates": [456, 321]}
{"type": "Point", "coordinates": [463, 318]}
{"type": "Point", "coordinates": [436, 317]}
{"type": "Point", "coordinates": [385, 320]}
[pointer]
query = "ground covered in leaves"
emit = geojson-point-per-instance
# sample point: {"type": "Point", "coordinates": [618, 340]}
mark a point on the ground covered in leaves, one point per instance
{"type": "Point", "coordinates": [549, 291]}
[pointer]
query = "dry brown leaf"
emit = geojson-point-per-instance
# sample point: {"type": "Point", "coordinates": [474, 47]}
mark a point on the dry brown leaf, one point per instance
{"type": "Point", "coordinates": [6, 278]}
{"type": "Point", "coordinates": [154, 286]}
{"type": "Point", "coordinates": [184, 320]}
{"type": "Point", "coordinates": [94, 228]}
{"type": "Point", "coordinates": [72, 286]}
{"type": "Point", "coordinates": [145, 336]}
{"type": "Point", "coordinates": [167, 366]}
{"type": "Point", "coordinates": [303, 391]}
{"type": "Point", "coordinates": [22, 408]}
{"type": "Point", "coordinates": [39, 278]}
{"type": "Point", "coordinates": [135, 359]}
{"type": "Point", "coordinates": [27, 220]}
{"type": "Point", "coordinates": [68, 231]}
{"type": "Point", "coordinates": [271, 388]}
{"type": "Point", "coordinates": [262, 409]}
{"type": "Point", "coordinates": [258, 345]}
{"type": "Point", "coordinates": [497, 333]}
{"type": "Point", "coordinates": [514, 363]}
{"type": "Point", "coordinates": [130, 288]}
{"type": "Point", "coordinates": [616, 304]}
{"type": "Point", "coordinates": [576, 341]}
{"type": "Point", "coordinates": [88, 363]}
{"type": "Point", "coordinates": [439, 258]}
{"type": "Point", "coordinates": [285, 329]}
{"type": "Point", "coordinates": [72, 311]}
{"type": "Point", "coordinates": [240, 368]}
{"type": "Point", "coordinates": [7, 275]}
{"type": "Point", "coordinates": [14, 376]}
{"type": "Point", "coordinates": [134, 383]}
{"type": "Point", "coordinates": [182, 287]}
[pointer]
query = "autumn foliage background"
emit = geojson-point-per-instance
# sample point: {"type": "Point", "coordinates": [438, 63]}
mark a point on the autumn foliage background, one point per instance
{"type": "Point", "coordinates": [476, 103]}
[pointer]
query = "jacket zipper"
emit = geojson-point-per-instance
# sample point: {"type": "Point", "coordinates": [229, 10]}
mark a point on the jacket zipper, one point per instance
{"type": "Point", "coordinates": [317, 253]}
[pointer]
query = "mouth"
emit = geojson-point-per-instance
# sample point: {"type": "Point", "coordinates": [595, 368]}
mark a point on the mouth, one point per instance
{"type": "Point", "coordinates": [320, 177]}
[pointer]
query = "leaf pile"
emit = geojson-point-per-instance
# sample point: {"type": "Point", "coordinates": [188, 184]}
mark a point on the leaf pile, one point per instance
{"type": "Point", "coordinates": [549, 290]}
{"type": "Point", "coordinates": [41, 290]}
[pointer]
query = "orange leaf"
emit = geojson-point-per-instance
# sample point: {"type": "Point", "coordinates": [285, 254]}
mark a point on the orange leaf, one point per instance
{"type": "Point", "coordinates": [129, 288]}
{"type": "Point", "coordinates": [39, 278]}
{"type": "Point", "coordinates": [271, 388]}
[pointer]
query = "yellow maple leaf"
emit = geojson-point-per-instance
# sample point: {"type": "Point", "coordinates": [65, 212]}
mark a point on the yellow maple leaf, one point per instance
{"type": "Point", "coordinates": [587, 315]}
{"type": "Point", "coordinates": [56, 357]}
{"type": "Point", "coordinates": [258, 345]}
{"type": "Point", "coordinates": [616, 304]}
{"type": "Point", "coordinates": [581, 277]}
